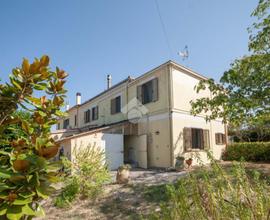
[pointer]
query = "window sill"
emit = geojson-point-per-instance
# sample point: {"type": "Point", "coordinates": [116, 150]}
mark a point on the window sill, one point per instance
{"type": "Point", "coordinates": [195, 150]}
{"type": "Point", "coordinates": [116, 113]}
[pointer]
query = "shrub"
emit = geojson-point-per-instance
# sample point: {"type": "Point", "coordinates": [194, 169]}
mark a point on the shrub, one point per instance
{"type": "Point", "coordinates": [249, 151]}
{"type": "Point", "coordinates": [217, 193]}
{"type": "Point", "coordinates": [26, 171]}
{"type": "Point", "coordinates": [68, 194]}
{"type": "Point", "coordinates": [89, 174]}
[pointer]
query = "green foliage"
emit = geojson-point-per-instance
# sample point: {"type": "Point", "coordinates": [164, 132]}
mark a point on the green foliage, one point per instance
{"type": "Point", "coordinates": [68, 194]}
{"type": "Point", "coordinates": [217, 193]}
{"type": "Point", "coordinates": [243, 96]}
{"type": "Point", "coordinates": [90, 169]}
{"type": "Point", "coordinates": [26, 173]}
{"type": "Point", "coordinates": [88, 175]}
{"type": "Point", "coordinates": [255, 151]}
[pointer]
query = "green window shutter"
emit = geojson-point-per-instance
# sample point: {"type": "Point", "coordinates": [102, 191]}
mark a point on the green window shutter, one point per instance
{"type": "Point", "coordinates": [206, 142]}
{"type": "Point", "coordinates": [187, 139]}
{"type": "Point", "coordinates": [155, 89]}
{"type": "Point", "coordinates": [139, 93]}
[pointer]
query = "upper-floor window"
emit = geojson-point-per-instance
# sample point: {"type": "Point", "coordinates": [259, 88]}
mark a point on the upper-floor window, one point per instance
{"type": "Point", "coordinates": [220, 138]}
{"type": "Point", "coordinates": [94, 113]}
{"type": "Point", "coordinates": [87, 116]}
{"type": "Point", "coordinates": [75, 120]}
{"type": "Point", "coordinates": [148, 92]}
{"type": "Point", "coordinates": [116, 105]}
{"type": "Point", "coordinates": [66, 123]}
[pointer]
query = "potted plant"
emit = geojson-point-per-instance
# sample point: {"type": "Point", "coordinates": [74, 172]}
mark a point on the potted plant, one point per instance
{"type": "Point", "coordinates": [122, 175]}
{"type": "Point", "coordinates": [179, 164]}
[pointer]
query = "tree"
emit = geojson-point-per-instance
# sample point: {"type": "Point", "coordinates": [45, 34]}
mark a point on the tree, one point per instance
{"type": "Point", "coordinates": [242, 97]}
{"type": "Point", "coordinates": [26, 173]}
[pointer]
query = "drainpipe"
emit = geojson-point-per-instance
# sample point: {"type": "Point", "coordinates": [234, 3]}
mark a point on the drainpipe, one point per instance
{"type": "Point", "coordinates": [170, 92]}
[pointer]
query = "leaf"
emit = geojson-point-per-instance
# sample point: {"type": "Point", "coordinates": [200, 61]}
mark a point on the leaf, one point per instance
{"type": "Point", "coordinates": [4, 186]}
{"type": "Point", "coordinates": [16, 84]}
{"type": "Point", "coordinates": [27, 194]}
{"type": "Point", "coordinates": [3, 195]}
{"type": "Point", "coordinates": [22, 201]}
{"type": "Point", "coordinates": [5, 173]}
{"type": "Point", "coordinates": [14, 212]}
{"type": "Point", "coordinates": [34, 100]}
{"type": "Point", "coordinates": [40, 212]}
{"type": "Point", "coordinates": [27, 210]}
{"type": "Point", "coordinates": [25, 66]}
{"type": "Point", "coordinates": [54, 167]}
{"type": "Point", "coordinates": [42, 193]}
{"type": "Point", "coordinates": [44, 190]}
{"type": "Point", "coordinates": [40, 87]}
{"type": "Point", "coordinates": [45, 60]}
{"type": "Point", "coordinates": [3, 208]}
{"type": "Point", "coordinates": [4, 152]}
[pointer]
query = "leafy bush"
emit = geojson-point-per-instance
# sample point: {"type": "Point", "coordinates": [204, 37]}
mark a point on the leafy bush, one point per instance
{"type": "Point", "coordinates": [68, 194]}
{"type": "Point", "coordinates": [249, 151]}
{"type": "Point", "coordinates": [26, 172]}
{"type": "Point", "coordinates": [217, 193]}
{"type": "Point", "coordinates": [89, 174]}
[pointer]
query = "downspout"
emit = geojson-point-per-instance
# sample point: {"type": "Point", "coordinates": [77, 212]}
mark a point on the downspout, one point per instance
{"type": "Point", "coordinates": [170, 92]}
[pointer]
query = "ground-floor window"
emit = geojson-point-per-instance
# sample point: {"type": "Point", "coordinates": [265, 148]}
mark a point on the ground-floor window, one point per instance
{"type": "Point", "coordinates": [196, 138]}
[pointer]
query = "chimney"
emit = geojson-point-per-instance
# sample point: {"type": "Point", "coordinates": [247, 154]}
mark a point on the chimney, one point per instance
{"type": "Point", "coordinates": [78, 98]}
{"type": "Point", "coordinates": [109, 81]}
{"type": "Point", "coordinates": [67, 106]}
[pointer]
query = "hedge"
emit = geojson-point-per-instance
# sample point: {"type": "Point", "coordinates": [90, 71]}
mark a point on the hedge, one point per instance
{"type": "Point", "coordinates": [249, 151]}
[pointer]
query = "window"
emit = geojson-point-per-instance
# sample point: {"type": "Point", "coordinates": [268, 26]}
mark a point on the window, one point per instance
{"type": "Point", "coordinates": [75, 120]}
{"type": "Point", "coordinates": [66, 123]}
{"type": "Point", "coordinates": [116, 105]}
{"type": "Point", "coordinates": [95, 113]}
{"type": "Point", "coordinates": [148, 92]}
{"type": "Point", "coordinates": [220, 138]}
{"type": "Point", "coordinates": [58, 126]}
{"type": "Point", "coordinates": [87, 116]}
{"type": "Point", "coordinates": [196, 138]}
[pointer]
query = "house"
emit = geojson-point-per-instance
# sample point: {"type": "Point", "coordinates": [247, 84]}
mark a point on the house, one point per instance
{"type": "Point", "coordinates": [144, 121]}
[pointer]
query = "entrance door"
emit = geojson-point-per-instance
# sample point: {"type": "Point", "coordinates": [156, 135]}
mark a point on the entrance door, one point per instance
{"type": "Point", "coordinates": [136, 150]}
{"type": "Point", "coordinates": [141, 150]}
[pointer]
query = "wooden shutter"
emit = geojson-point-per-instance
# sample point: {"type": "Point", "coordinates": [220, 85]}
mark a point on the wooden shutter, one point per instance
{"type": "Point", "coordinates": [84, 117]}
{"type": "Point", "coordinates": [97, 112]}
{"type": "Point", "coordinates": [113, 106]}
{"type": "Point", "coordinates": [187, 139]}
{"type": "Point", "coordinates": [155, 89]}
{"type": "Point", "coordinates": [139, 93]}
{"type": "Point", "coordinates": [216, 137]}
{"type": "Point", "coordinates": [206, 142]}
{"type": "Point", "coordinates": [223, 139]}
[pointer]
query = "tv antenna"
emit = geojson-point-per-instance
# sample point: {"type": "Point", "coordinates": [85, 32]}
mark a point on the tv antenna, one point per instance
{"type": "Point", "coordinates": [184, 54]}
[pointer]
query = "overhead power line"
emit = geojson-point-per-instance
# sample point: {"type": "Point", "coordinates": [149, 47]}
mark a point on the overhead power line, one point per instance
{"type": "Point", "coordinates": [163, 28]}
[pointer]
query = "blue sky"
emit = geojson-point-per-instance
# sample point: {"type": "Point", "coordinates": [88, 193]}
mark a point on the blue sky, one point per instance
{"type": "Point", "coordinates": [91, 38]}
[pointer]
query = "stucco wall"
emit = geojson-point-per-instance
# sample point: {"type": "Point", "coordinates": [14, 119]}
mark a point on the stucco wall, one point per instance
{"type": "Point", "coordinates": [157, 129]}
{"type": "Point", "coordinates": [112, 144]}
{"type": "Point", "coordinates": [183, 92]}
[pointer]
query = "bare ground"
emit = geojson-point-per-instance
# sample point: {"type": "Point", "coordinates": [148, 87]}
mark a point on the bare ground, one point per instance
{"type": "Point", "coordinates": [127, 201]}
